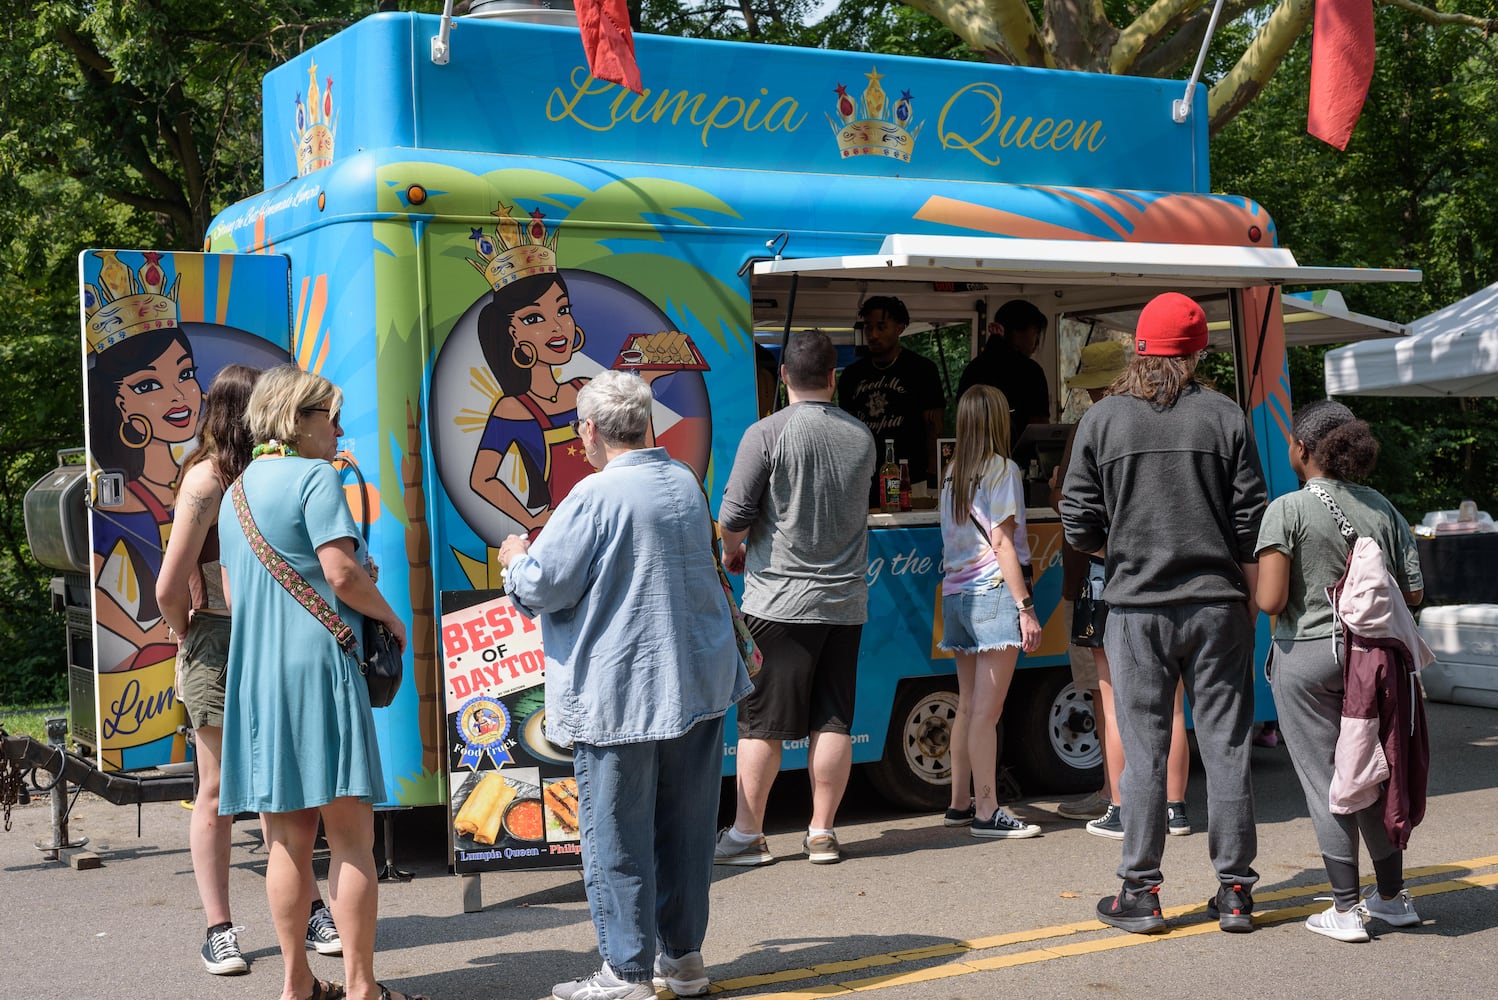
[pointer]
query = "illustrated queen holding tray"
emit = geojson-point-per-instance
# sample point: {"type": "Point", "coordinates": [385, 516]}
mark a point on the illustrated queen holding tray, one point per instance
{"type": "Point", "coordinates": [530, 455]}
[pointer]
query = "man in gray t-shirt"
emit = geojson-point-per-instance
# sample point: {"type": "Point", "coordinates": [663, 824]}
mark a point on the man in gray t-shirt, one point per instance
{"type": "Point", "coordinates": [794, 522]}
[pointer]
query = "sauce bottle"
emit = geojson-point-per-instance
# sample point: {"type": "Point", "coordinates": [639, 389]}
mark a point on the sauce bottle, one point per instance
{"type": "Point", "coordinates": [889, 479]}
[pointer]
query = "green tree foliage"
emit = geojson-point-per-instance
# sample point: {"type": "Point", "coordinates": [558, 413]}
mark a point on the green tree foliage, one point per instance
{"type": "Point", "coordinates": [1413, 189]}
{"type": "Point", "coordinates": [122, 124]}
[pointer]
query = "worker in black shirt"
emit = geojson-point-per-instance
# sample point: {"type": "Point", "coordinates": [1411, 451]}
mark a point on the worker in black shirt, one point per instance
{"type": "Point", "coordinates": [896, 393]}
{"type": "Point", "coordinates": [1006, 364]}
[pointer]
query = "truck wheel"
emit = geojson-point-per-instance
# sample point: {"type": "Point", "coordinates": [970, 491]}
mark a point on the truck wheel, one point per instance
{"type": "Point", "coordinates": [1055, 741]}
{"type": "Point", "coordinates": [916, 769]}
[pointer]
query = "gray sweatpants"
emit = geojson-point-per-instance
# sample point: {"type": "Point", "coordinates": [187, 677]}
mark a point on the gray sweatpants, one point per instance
{"type": "Point", "coordinates": [1307, 683]}
{"type": "Point", "coordinates": [1149, 651]}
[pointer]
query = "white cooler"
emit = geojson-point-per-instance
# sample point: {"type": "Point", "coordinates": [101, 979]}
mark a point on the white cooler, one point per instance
{"type": "Point", "coordinates": [1464, 638]}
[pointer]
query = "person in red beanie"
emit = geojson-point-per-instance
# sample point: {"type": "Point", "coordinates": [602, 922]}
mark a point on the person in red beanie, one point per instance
{"type": "Point", "coordinates": [1165, 484]}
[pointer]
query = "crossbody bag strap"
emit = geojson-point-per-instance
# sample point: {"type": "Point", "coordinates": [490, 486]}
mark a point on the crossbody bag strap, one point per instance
{"type": "Point", "coordinates": [296, 585]}
{"type": "Point", "coordinates": [1345, 526]}
{"type": "Point", "coordinates": [987, 540]}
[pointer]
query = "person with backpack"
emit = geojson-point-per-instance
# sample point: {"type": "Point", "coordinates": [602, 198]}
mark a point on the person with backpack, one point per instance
{"type": "Point", "coordinates": [1303, 551]}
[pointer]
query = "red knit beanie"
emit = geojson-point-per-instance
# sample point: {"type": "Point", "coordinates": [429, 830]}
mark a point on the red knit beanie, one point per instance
{"type": "Point", "coordinates": [1171, 326]}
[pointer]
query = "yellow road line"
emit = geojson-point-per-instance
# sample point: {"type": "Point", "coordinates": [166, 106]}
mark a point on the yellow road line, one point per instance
{"type": "Point", "coordinates": [1051, 952]}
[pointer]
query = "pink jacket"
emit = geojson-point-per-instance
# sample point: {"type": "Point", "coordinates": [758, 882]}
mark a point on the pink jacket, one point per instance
{"type": "Point", "coordinates": [1382, 748]}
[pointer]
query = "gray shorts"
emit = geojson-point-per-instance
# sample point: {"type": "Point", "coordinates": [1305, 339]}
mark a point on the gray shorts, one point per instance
{"type": "Point", "coordinates": [202, 662]}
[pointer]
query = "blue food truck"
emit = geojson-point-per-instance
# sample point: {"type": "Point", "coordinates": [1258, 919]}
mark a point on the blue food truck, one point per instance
{"type": "Point", "coordinates": [416, 200]}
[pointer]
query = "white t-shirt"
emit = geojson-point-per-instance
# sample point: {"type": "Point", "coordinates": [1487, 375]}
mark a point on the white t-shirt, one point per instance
{"type": "Point", "coordinates": [968, 557]}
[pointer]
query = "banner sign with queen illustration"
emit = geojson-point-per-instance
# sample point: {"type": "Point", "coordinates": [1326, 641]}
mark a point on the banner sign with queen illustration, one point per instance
{"type": "Point", "coordinates": [157, 327]}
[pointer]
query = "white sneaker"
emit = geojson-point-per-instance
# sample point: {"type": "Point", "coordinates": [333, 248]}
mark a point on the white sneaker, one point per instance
{"type": "Point", "coordinates": [1339, 924]}
{"type": "Point", "coordinates": [685, 976]}
{"type": "Point", "coordinates": [603, 985]}
{"type": "Point", "coordinates": [1397, 912]}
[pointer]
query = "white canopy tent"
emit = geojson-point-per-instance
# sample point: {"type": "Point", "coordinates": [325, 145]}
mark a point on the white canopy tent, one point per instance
{"type": "Point", "coordinates": [1451, 352]}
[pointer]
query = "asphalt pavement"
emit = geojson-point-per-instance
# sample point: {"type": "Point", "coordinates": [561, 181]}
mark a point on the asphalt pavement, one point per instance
{"type": "Point", "coordinates": [916, 911]}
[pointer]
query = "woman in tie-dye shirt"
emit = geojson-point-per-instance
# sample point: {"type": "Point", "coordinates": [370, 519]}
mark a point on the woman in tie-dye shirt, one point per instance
{"type": "Point", "coordinates": [988, 615]}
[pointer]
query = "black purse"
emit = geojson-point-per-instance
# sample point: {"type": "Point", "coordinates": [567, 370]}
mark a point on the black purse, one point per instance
{"type": "Point", "coordinates": [1089, 615]}
{"type": "Point", "coordinates": [382, 665]}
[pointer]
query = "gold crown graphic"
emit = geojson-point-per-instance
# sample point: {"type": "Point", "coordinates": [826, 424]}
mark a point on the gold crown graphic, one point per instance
{"type": "Point", "coordinates": [314, 126]}
{"type": "Point", "coordinates": [125, 302]}
{"type": "Point", "coordinates": [879, 128]}
{"type": "Point", "coordinates": [519, 247]}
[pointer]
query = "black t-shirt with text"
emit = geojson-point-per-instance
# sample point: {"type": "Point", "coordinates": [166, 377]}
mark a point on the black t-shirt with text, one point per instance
{"type": "Point", "coordinates": [892, 402]}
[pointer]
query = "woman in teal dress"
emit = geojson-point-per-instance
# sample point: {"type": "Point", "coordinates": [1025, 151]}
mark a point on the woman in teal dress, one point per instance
{"type": "Point", "coordinates": [299, 738]}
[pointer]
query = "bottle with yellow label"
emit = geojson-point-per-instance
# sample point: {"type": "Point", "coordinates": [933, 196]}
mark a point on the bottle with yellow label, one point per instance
{"type": "Point", "coordinates": [889, 479]}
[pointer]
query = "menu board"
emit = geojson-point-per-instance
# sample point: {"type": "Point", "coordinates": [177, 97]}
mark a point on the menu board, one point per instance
{"type": "Point", "coordinates": [513, 795]}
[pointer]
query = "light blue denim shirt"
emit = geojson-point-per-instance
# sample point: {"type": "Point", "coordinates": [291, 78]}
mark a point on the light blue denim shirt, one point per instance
{"type": "Point", "coordinates": [639, 642]}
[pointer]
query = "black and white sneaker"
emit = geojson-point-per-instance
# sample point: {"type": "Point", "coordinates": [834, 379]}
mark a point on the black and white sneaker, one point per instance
{"type": "Point", "coordinates": [221, 954]}
{"type": "Point", "coordinates": [960, 817]}
{"type": "Point", "coordinates": [1002, 826]}
{"type": "Point", "coordinates": [1109, 824]}
{"type": "Point", "coordinates": [322, 933]}
{"type": "Point", "coordinates": [1177, 823]}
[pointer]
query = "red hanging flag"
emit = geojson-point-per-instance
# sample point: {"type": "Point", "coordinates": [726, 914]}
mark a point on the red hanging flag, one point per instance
{"type": "Point", "coordinates": [608, 41]}
{"type": "Point", "coordinates": [1342, 48]}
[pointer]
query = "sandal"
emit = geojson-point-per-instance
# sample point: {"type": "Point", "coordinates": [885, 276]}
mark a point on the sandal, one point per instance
{"type": "Point", "coordinates": [385, 994]}
{"type": "Point", "coordinates": [327, 990]}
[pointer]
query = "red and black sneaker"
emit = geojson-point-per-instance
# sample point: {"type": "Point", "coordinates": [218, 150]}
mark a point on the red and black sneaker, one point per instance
{"type": "Point", "coordinates": [1136, 911]}
{"type": "Point", "coordinates": [1232, 908]}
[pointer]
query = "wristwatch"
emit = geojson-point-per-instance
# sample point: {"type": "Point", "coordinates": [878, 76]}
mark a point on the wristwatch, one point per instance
{"type": "Point", "coordinates": [1028, 604]}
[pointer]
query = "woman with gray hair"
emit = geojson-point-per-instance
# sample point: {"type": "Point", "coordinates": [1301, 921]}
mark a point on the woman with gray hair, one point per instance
{"type": "Point", "coordinates": [299, 738]}
{"type": "Point", "coordinates": [641, 665]}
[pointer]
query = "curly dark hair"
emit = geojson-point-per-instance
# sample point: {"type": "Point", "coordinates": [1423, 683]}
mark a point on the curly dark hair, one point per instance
{"type": "Point", "coordinates": [1342, 445]}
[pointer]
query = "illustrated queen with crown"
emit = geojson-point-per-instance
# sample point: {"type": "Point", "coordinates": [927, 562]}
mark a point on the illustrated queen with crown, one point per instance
{"type": "Point", "coordinates": [530, 456]}
{"type": "Point", "coordinates": [144, 405]}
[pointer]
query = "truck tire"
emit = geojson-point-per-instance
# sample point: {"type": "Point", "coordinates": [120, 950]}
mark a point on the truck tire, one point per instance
{"type": "Point", "coordinates": [916, 770]}
{"type": "Point", "coordinates": [1053, 738]}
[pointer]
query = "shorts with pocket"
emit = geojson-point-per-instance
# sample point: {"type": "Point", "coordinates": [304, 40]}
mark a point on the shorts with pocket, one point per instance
{"type": "Point", "coordinates": [977, 620]}
{"type": "Point", "coordinates": [202, 663]}
{"type": "Point", "coordinates": [808, 683]}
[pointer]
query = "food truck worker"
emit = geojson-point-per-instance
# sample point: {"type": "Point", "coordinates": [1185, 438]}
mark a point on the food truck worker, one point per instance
{"type": "Point", "coordinates": [896, 393]}
{"type": "Point", "coordinates": [1007, 363]}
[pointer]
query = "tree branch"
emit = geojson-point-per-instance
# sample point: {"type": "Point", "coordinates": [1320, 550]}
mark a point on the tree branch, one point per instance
{"type": "Point", "coordinates": [1014, 23]}
{"type": "Point", "coordinates": [1147, 29]}
{"type": "Point", "coordinates": [1263, 56]}
{"type": "Point", "coordinates": [1078, 34]}
{"type": "Point", "coordinates": [969, 20]}
{"type": "Point", "coordinates": [1441, 18]}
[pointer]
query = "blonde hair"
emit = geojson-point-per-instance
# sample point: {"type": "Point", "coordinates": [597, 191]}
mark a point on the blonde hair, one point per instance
{"type": "Point", "coordinates": [982, 433]}
{"type": "Point", "coordinates": [276, 404]}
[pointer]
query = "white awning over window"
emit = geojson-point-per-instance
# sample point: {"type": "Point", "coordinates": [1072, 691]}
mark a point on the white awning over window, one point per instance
{"type": "Point", "coordinates": [1035, 267]}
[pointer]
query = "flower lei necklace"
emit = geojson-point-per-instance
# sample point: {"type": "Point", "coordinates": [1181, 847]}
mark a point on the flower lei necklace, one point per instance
{"type": "Point", "coordinates": [273, 447]}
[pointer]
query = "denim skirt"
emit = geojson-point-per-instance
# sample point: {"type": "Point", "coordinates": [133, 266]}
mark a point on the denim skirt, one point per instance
{"type": "Point", "coordinates": [977, 620]}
